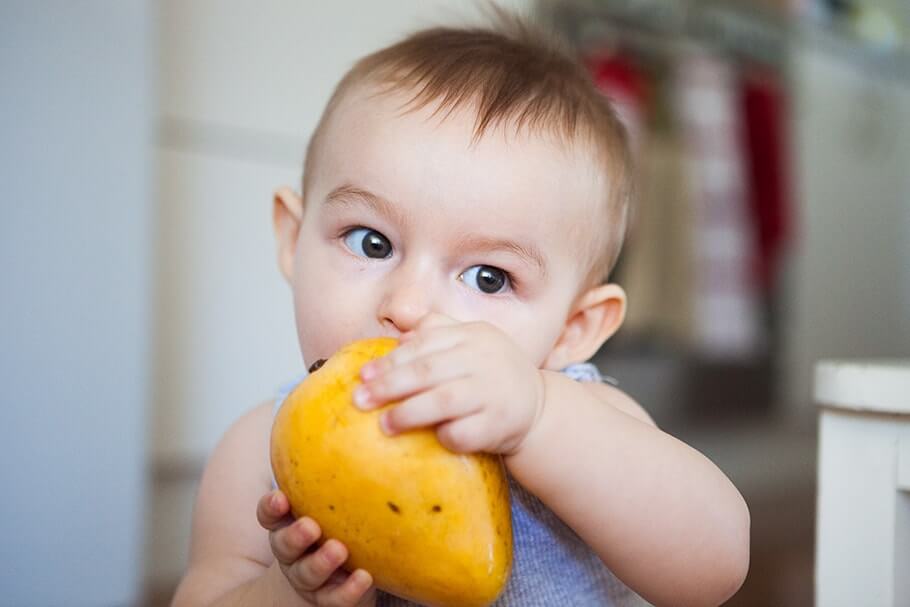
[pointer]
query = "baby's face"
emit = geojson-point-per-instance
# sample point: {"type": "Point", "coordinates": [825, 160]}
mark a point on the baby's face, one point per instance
{"type": "Point", "coordinates": [405, 215]}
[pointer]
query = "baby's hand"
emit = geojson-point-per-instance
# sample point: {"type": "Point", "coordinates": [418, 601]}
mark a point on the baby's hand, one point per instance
{"type": "Point", "coordinates": [469, 379]}
{"type": "Point", "coordinates": [314, 573]}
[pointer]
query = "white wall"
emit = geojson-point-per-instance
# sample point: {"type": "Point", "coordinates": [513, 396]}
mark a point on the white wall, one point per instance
{"type": "Point", "coordinates": [76, 225]}
{"type": "Point", "coordinates": [242, 86]}
{"type": "Point", "coordinates": [850, 285]}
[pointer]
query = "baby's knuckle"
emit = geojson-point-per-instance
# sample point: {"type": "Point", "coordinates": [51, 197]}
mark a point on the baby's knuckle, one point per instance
{"type": "Point", "coordinates": [303, 576]}
{"type": "Point", "coordinates": [423, 369]}
{"type": "Point", "coordinates": [278, 543]}
{"type": "Point", "coordinates": [303, 588]}
{"type": "Point", "coordinates": [381, 387]}
{"type": "Point", "coordinates": [445, 400]}
{"type": "Point", "coordinates": [295, 579]}
{"type": "Point", "coordinates": [327, 559]}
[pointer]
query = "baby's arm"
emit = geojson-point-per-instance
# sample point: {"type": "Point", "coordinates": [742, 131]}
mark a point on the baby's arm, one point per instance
{"type": "Point", "coordinates": [660, 515]}
{"type": "Point", "coordinates": [238, 532]}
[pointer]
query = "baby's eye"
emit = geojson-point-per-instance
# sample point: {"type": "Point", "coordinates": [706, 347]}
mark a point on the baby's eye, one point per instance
{"type": "Point", "coordinates": [368, 243]}
{"type": "Point", "coordinates": [486, 279]}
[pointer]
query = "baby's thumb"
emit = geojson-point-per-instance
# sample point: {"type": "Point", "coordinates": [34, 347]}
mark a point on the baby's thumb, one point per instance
{"type": "Point", "coordinates": [272, 510]}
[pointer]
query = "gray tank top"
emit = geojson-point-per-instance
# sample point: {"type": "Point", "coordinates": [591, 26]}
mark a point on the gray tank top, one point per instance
{"type": "Point", "coordinates": [551, 565]}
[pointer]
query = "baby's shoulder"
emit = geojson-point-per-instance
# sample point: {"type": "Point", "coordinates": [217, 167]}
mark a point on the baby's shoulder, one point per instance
{"type": "Point", "coordinates": [249, 426]}
{"type": "Point", "coordinates": [225, 533]}
{"type": "Point", "coordinates": [620, 400]}
{"type": "Point", "coordinates": [244, 447]}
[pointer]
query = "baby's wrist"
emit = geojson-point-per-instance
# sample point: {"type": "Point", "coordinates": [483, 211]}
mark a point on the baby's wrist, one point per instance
{"type": "Point", "coordinates": [540, 413]}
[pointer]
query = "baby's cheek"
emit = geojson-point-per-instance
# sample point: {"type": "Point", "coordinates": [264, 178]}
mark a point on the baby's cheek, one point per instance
{"type": "Point", "coordinates": [535, 333]}
{"type": "Point", "coordinates": [315, 333]}
{"type": "Point", "coordinates": [326, 322]}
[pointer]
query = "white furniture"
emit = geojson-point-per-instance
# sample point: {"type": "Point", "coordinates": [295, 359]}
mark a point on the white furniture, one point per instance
{"type": "Point", "coordinates": [863, 518]}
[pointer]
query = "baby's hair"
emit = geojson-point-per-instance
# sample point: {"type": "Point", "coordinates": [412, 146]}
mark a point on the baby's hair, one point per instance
{"type": "Point", "coordinates": [513, 73]}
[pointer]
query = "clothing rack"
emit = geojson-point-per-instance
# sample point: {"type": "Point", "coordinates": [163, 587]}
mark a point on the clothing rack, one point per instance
{"type": "Point", "coordinates": [736, 29]}
{"type": "Point", "coordinates": [659, 24]}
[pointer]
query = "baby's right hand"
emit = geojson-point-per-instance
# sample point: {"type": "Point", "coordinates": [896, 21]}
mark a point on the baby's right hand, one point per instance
{"type": "Point", "coordinates": [314, 573]}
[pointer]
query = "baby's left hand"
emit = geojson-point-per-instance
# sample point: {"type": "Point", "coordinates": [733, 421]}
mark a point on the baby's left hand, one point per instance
{"type": "Point", "coordinates": [468, 379]}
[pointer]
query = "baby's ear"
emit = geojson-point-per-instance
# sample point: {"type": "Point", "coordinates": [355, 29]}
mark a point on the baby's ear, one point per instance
{"type": "Point", "coordinates": [595, 316]}
{"type": "Point", "coordinates": [287, 213]}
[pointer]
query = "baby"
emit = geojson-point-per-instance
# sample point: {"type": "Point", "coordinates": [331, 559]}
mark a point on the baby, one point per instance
{"type": "Point", "coordinates": [466, 191]}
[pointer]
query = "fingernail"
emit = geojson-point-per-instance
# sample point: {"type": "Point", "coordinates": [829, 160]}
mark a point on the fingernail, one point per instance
{"type": "Point", "coordinates": [362, 577]}
{"type": "Point", "coordinates": [273, 502]}
{"type": "Point", "coordinates": [362, 397]}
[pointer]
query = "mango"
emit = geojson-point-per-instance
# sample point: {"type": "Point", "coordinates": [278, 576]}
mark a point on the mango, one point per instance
{"type": "Point", "coordinates": [429, 525]}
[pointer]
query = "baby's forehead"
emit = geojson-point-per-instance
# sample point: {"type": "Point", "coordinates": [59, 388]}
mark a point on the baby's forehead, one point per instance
{"type": "Point", "coordinates": [528, 182]}
{"type": "Point", "coordinates": [383, 127]}
{"type": "Point", "coordinates": [389, 104]}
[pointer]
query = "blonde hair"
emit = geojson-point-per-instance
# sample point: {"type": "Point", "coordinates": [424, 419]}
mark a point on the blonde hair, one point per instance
{"type": "Point", "coordinates": [510, 72]}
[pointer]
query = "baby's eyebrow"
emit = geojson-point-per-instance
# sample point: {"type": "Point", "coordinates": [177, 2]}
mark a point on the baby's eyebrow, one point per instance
{"type": "Point", "coordinates": [527, 252]}
{"type": "Point", "coordinates": [348, 194]}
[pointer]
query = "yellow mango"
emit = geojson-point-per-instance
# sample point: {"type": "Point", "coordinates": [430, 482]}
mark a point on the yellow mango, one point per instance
{"type": "Point", "coordinates": [429, 525]}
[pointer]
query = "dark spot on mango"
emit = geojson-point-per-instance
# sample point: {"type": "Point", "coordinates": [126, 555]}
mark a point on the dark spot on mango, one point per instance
{"type": "Point", "coordinates": [316, 365]}
{"type": "Point", "coordinates": [331, 507]}
{"type": "Point", "coordinates": [393, 508]}
{"type": "Point", "coordinates": [437, 508]}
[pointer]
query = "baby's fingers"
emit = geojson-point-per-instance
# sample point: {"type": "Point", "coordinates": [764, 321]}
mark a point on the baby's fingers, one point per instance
{"type": "Point", "coordinates": [449, 401]}
{"type": "Point", "coordinates": [312, 571]}
{"type": "Point", "coordinates": [352, 592]}
{"type": "Point", "coordinates": [404, 380]}
{"type": "Point", "coordinates": [290, 543]}
{"type": "Point", "coordinates": [272, 510]}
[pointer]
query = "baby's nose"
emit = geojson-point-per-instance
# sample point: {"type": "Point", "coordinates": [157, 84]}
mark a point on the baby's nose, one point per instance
{"type": "Point", "coordinates": [403, 306]}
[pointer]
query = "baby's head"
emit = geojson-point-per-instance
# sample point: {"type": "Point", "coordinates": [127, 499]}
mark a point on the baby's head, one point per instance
{"type": "Point", "coordinates": [472, 172]}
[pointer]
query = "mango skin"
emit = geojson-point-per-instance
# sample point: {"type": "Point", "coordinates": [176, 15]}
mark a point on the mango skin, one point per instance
{"type": "Point", "coordinates": [429, 525]}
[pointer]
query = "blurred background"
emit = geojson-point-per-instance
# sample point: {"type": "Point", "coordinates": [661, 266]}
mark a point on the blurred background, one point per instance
{"type": "Point", "coordinates": [142, 310]}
